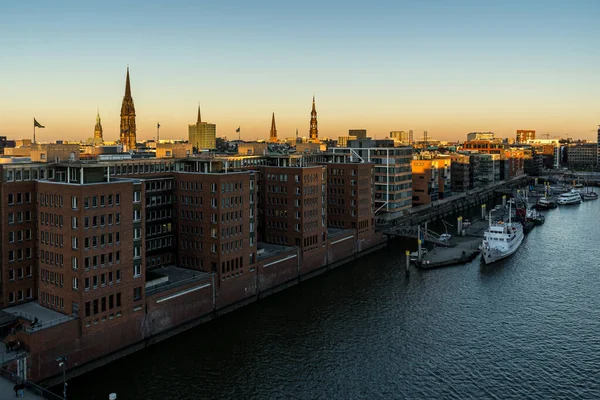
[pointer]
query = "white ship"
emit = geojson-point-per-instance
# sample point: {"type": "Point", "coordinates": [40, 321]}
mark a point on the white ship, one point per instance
{"type": "Point", "coordinates": [501, 240]}
{"type": "Point", "coordinates": [571, 197]}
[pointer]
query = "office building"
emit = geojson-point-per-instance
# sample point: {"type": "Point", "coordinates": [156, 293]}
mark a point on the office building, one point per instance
{"type": "Point", "coordinates": [202, 135]}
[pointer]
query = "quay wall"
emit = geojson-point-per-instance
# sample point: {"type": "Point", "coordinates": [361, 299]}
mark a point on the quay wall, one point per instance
{"type": "Point", "coordinates": [173, 311]}
{"type": "Point", "coordinates": [454, 205]}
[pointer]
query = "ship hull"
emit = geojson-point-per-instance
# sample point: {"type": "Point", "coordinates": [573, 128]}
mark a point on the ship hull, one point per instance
{"type": "Point", "coordinates": [492, 255]}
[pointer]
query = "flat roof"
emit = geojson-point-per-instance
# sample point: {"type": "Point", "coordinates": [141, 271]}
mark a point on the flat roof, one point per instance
{"type": "Point", "coordinates": [270, 249]}
{"type": "Point", "coordinates": [45, 316]}
{"type": "Point", "coordinates": [176, 276]}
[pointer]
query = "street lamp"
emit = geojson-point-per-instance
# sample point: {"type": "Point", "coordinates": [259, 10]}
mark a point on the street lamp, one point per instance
{"type": "Point", "coordinates": [62, 361]}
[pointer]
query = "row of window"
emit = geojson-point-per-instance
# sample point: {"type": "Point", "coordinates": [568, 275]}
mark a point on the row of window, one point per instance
{"type": "Point", "coordinates": [52, 301]}
{"type": "Point", "coordinates": [19, 236]}
{"type": "Point", "coordinates": [19, 198]}
{"type": "Point", "coordinates": [97, 221]}
{"type": "Point", "coordinates": [19, 273]}
{"type": "Point", "coordinates": [54, 278]}
{"type": "Point", "coordinates": [103, 304]}
{"type": "Point", "coordinates": [158, 215]}
{"type": "Point", "coordinates": [52, 239]}
{"type": "Point", "coordinates": [159, 185]}
{"type": "Point", "coordinates": [107, 278]}
{"type": "Point", "coordinates": [19, 216]}
{"type": "Point", "coordinates": [50, 200]}
{"type": "Point", "coordinates": [155, 244]}
{"type": "Point", "coordinates": [17, 254]}
{"type": "Point", "coordinates": [105, 239]}
{"type": "Point", "coordinates": [19, 295]}
{"type": "Point", "coordinates": [28, 174]}
{"type": "Point", "coordinates": [51, 258]}
{"type": "Point", "coordinates": [97, 260]}
{"type": "Point", "coordinates": [51, 219]}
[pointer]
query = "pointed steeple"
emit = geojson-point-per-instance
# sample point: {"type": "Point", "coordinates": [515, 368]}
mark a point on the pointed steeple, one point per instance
{"type": "Point", "coordinates": [128, 128]}
{"type": "Point", "coordinates": [199, 118]}
{"type": "Point", "coordinates": [273, 136]}
{"type": "Point", "coordinates": [127, 85]}
{"type": "Point", "coordinates": [98, 127]}
{"type": "Point", "coordinates": [314, 131]}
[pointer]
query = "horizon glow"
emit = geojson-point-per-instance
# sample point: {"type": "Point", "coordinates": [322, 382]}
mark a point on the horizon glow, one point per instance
{"type": "Point", "coordinates": [448, 68]}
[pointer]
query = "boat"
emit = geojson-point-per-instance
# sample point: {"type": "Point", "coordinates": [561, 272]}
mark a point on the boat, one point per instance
{"type": "Point", "coordinates": [501, 240]}
{"type": "Point", "coordinates": [571, 197]}
{"type": "Point", "coordinates": [545, 203]}
{"type": "Point", "coordinates": [589, 194]}
{"type": "Point", "coordinates": [414, 256]}
{"type": "Point", "coordinates": [535, 217]}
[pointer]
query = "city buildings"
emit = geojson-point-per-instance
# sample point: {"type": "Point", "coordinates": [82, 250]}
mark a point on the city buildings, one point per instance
{"type": "Point", "coordinates": [358, 133]}
{"type": "Point", "coordinates": [392, 175]}
{"type": "Point", "coordinates": [524, 135]}
{"type": "Point", "coordinates": [461, 173]}
{"type": "Point", "coordinates": [480, 136]}
{"type": "Point", "coordinates": [202, 135]}
{"type": "Point", "coordinates": [431, 178]}
{"type": "Point", "coordinates": [101, 255]}
{"type": "Point", "coordinates": [582, 155]}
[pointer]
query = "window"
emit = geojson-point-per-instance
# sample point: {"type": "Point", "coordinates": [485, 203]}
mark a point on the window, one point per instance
{"type": "Point", "coordinates": [118, 273]}
{"type": "Point", "coordinates": [74, 263]}
{"type": "Point", "coordinates": [87, 308]}
{"type": "Point", "coordinates": [118, 299]}
{"type": "Point", "coordinates": [74, 202]}
{"type": "Point", "coordinates": [29, 270]}
{"type": "Point", "coordinates": [20, 273]}
{"type": "Point", "coordinates": [75, 284]}
{"type": "Point", "coordinates": [74, 222]}
{"type": "Point", "coordinates": [74, 243]}
{"type": "Point", "coordinates": [95, 306]}
{"type": "Point", "coordinates": [137, 271]}
{"type": "Point", "coordinates": [11, 297]}
{"type": "Point", "coordinates": [137, 293]}
{"type": "Point", "coordinates": [29, 293]}
{"type": "Point", "coordinates": [87, 283]}
{"type": "Point", "coordinates": [137, 197]}
{"type": "Point", "coordinates": [117, 198]}
{"type": "Point", "coordinates": [137, 251]}
{"type": "Point", "coordinates": [20, 295]}
{"type": "Point", "coordinates": [11, 274]}
{"type": "Point", "coordinates": [11, 198]}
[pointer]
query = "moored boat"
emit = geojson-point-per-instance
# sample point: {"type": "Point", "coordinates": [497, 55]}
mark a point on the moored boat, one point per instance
{"type": "Point", "coordinates": [545, 203]}
{"type": "Point", "coordinates": [571, 197]}
{"type": "Point", "coordinates": [501, 240]}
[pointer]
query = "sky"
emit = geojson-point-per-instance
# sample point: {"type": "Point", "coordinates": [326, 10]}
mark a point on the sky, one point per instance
{"type": "Point", "coordinates": [446, 67]}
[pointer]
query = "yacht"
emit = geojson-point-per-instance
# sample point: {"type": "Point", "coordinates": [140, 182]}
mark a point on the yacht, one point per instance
{"type": "Point", "coordinates": [501, 240]}
{"type": "Point", "coordinates": [589, 195]}
{"type": "Point", "coordinates": [571, 197]}
{"type": "Point", "coordinates": [545, 203]}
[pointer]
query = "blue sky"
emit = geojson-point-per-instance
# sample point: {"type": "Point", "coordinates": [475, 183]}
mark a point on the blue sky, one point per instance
{"type": "Point", "coordinates": [448, 67]}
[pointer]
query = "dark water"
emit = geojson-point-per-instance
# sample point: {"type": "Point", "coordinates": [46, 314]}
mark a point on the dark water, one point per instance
{"type": "Point", "coordinates": [528, 327]}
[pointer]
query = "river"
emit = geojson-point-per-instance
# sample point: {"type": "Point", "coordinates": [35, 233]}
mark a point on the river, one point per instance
{"type": "Point", "coordinates": [526, 327]}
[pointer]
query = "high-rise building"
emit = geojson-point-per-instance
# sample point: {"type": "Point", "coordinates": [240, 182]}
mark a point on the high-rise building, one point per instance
{"type": "Point", "coordinates": [273, 135]}
{"type": "Point", "coordinates": [400, 136]}
{"type": "Point", "coordinates": [314, 131]}
{"type": "Point", "coordinates": [98, 128]}
{"type": "Point", "coordinates": [128, 129]}
{"type": "Point", "coordinates": [480, 136]}
{"type": "Point", "coordinates": [523, 135]}
{"type": "Point", "coordinates": [358, 133]}
{"type": "Point", "coordinates": [202, 135]}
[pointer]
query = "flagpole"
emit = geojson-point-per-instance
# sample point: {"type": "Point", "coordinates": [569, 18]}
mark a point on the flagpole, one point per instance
{"type": "Point", "coordinates": [34, 130]}
{"type": "Point", "coordinates": [157, 132]}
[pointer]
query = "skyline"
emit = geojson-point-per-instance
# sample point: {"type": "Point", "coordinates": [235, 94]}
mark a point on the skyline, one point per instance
{"type": "Point", "coordinates": [445, 68]}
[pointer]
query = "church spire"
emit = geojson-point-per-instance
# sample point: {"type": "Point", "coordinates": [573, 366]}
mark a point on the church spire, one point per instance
{"type": "Point", "coordinates": [98, 127]}
{"type": "Point", "coordinates": [128, 128]}
{"type": "Point", "coordinates": [127, 85]}
{"type": "Point", "coordinates": [314, 131]}
{"type": "Point", "coordinates": [199, 118]}
{"type": "Point", "coordinates": [273, 136]}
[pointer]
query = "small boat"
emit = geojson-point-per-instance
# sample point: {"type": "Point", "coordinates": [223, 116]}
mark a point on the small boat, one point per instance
{"type": "Point", "coordinates": [589, 194]}
{"type": "Point", "coordinates": [545, 203]}
{"type": "Point", "coordinates": [414, 256]}
{"type": "Point", "coordinates": [527, 226]}
{"type": "Point", "coordinates": [501, 240]}
{"type": "Point", "coordinates": [535, 217]}
{"type": "Point", "coordinates": [571, 197]}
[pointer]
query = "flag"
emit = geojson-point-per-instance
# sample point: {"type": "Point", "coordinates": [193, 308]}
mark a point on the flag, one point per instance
{"type": "Point", "coordinates": [238, 130]}
{"type": "Point", "coordinates": [157, 125]}
{"type": "Point", "coordinates": [37, 124]}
